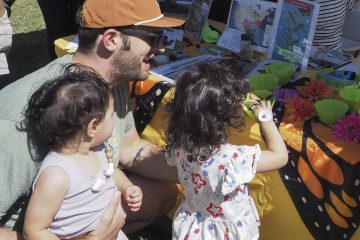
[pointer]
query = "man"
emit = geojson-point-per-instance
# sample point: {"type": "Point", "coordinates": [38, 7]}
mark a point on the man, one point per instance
{"type": "Point", "coordinates": [117, 38]}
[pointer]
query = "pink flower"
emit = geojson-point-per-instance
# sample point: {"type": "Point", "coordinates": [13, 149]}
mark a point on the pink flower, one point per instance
{"type": "Point", "coordinates": [348, 128]}
{"type": "Point", "coordinates": [315, 90]}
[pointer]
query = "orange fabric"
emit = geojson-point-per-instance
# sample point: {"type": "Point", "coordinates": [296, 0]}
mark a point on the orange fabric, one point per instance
{"type": "Point", "coordinates": [114, 13]}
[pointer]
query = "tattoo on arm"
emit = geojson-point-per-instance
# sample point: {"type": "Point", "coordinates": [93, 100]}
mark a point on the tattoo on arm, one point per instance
{"type": "Point", "coordinates": [138, 155]}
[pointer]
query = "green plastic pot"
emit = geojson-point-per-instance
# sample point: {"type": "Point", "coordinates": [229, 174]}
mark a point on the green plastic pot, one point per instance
{"type": "Point", "coordinates": [351, 95]}
{"type": "Point", "coordinates": [284, 70]}
{"type": "Point", "coordinates": [329, 110]}
{"type": "Point", "coordinates": [264, 81]}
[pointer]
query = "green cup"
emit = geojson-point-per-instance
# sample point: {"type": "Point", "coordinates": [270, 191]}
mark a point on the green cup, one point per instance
{"type": "Point", "coordinates": [329, 110]}
{"type": "Point", "coordinates": [351, 95]}
{"type": "Point", "coordinates": [284, 70]}
{"type": "Point", "coordinates": [263, 81]}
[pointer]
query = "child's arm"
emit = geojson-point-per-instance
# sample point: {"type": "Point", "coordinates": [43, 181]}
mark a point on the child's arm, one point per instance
{"type": "Point", "coordinates": [45, 201]}
{"type": "Point", "coordinates": [276, 154]}
{"type": "Point", "coordinates": [132, 194]}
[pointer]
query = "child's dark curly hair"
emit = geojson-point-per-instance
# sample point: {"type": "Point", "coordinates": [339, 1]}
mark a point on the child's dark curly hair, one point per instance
{"type": "Point", "coordinates": [62, 107]}
{"type": "Point", "coordinates": [207, 101]}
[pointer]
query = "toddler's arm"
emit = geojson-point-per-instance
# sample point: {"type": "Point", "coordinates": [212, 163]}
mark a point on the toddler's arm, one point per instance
{"type": "Point", "coordinates": [50, 189]}
{"type": "Point", "coordinates": [132, 194]}
{"type": "Point", "coordinates": [276, 154]}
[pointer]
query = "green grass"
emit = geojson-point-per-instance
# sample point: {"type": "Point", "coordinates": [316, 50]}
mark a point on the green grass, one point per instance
{"type": "Point", "coordinates": [29, 51]}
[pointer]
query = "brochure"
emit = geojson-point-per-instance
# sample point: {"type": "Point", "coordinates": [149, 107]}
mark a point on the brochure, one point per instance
{"type": "Point", "coordinates": [197, 18]}
{"type": "Point", "coordinates": [295, 32]}
{"type": "Point", "coordinates": [257, 17]}
{"type": "Point", "coordinates": [169, 72]}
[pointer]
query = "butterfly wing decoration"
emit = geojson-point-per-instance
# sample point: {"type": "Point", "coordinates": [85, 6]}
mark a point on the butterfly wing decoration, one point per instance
{"type": "Point", "coordinates": [322, 177]}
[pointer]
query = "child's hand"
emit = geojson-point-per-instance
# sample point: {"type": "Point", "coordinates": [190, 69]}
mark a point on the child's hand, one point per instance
{"type": "Point", "coordinates": [133, 196]}
{"type": "Point", "coordinates": [261, 109]}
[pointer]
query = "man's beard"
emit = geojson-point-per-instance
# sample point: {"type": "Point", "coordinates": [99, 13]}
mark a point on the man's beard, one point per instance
{"type": "Point", "coordinates": [126, 67]}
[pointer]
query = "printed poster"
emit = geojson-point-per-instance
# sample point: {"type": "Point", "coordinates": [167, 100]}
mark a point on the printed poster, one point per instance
{"type": "Point", "coordinates": [295, 32]}
{"type": "Point", "coordinates": [251, 16]}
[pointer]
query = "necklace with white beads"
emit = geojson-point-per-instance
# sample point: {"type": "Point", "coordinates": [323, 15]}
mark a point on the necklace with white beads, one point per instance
{"type": "Point", "coordinates": [101, 177]}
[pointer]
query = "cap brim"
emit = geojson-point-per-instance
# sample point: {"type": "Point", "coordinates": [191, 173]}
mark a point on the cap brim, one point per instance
{"type": "Point", "coordinates": [165, 22]}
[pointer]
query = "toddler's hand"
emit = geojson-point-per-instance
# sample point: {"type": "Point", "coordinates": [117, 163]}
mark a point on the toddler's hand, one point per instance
{"type": "Point", "coordinates": [261, 109]}
{"type": "Point", "coordinates": [133, 196]}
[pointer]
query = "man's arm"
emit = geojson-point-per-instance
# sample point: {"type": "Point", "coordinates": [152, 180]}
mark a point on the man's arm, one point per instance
{"type": "Point", "coordinates": [6, 234]}
{"type": "Point", "coordinates": [144, 158]}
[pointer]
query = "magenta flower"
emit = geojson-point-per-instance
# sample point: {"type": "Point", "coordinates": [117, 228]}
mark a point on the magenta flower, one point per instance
{"type": "Point", "coordinates": [282, 93]}
{"type": "Point", "coordinates": [348, 128]}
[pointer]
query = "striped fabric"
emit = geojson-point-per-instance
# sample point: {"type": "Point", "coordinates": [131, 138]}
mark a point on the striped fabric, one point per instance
{"type": "Point", "coordinates": [331, 18]}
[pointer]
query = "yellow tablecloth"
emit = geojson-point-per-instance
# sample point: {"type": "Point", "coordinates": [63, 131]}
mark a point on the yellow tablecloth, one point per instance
{"type": "Point", "coordinates": [279, 216]}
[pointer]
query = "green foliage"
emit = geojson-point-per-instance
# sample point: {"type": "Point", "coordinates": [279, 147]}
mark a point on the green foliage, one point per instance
{"type": "Point", "coordinates": [26, 17]}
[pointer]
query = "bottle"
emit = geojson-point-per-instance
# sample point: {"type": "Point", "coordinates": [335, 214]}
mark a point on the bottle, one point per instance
{"type": "Point", "coordinates": [245, 46]}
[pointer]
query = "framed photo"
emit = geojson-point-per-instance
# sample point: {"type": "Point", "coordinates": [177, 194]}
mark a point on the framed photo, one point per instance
{"type": "Point", "coordinates": [295, 32]}
{"type": "Point", "coordinates": [197, 18]}
{"type": "Point", "coordinates": [251, 16]}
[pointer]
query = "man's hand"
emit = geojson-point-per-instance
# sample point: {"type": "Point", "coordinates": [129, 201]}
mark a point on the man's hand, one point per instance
{"type": "Point", "coordinates": [111, 222]}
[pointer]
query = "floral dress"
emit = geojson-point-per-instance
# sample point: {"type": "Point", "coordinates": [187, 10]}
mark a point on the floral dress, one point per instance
{"type": "Point", "coordinates": [217, 204]}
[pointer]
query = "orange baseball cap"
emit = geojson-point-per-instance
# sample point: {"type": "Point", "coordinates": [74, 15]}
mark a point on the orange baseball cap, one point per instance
{"type": "Point", "coordinates": [115, 13]}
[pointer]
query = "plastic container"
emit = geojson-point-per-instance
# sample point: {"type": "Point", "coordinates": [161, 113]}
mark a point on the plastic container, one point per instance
{"type": "Point", "coordinates": [264, 81]}
{"type": "Point", "coordinates": [351, 95]}
{"type": "Point", "coordinates": [329, 110]}
{"type": "Point", "coordinates": [284, 70]}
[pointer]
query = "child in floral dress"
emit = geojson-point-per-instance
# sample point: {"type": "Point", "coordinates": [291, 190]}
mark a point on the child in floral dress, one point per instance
{"type": "Point", "coordinates": [208, 101]}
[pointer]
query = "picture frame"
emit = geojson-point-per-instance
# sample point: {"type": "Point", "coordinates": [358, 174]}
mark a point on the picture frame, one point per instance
{"type": "Point", "coordinates": [256, 17]}
{"type": "Point", "coordinates": [295, 32]}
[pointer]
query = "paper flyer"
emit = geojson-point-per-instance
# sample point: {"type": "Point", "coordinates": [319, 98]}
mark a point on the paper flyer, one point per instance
{"type": "Point", "coordinates": [295, 32]}
{"type": "Point", "coordinates": [251, 16]}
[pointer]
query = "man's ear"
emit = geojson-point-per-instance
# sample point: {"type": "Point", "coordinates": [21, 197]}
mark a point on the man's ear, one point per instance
{"type": "Point", "coordinates": [111, 39]}
{"type": "Point", "coordinates": [92, 128]}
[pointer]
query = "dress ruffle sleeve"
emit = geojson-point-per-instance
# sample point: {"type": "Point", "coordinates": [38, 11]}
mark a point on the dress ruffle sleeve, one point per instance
{"type": "Point", "coordinates": [240, 168]}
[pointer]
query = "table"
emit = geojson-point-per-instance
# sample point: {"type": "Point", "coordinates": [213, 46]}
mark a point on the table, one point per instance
{"type": "Point", "coordinates": [318, 192]}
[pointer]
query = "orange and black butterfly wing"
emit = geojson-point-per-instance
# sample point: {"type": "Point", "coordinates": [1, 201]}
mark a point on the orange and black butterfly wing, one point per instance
{"type": "Point", "coordinates": [322, 178]}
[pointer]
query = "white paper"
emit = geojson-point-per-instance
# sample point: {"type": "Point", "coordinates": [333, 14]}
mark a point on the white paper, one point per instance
{"type": "Point", "coordinates": [168, 72]}
{"type": "Point", "coordinates": [74, 44]}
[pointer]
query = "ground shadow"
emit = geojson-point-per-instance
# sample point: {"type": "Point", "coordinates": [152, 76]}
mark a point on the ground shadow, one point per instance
{"type": "Point", "coordinates": [28, 53]}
